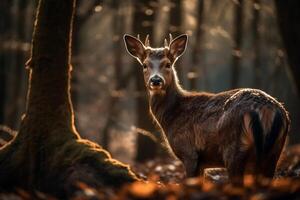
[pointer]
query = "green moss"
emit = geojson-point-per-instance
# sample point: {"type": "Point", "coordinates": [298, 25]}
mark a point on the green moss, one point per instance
{"type": "Point", "coordinates": [85, 152]}
{"type": "Point", "coordinates": [57, 168]}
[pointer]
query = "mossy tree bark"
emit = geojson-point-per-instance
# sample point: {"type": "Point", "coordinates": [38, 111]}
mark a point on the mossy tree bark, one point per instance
{"type": "Point", "coordinates": [48, 154]}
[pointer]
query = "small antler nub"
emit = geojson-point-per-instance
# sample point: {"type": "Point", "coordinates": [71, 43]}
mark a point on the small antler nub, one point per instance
{"type": "Point", "coordinates": [171, 37]}
{"type": "Point", "coordinates": [138, 36]}
{"type": "Point", "coordinates": [147, 43]}
{"type": "Point", "coordinates": [166, 42]}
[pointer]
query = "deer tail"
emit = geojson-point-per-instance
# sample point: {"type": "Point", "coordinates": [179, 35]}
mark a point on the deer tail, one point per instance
{"type": "Point", "coordinates": [258, 135]}
{"type": "Point", "coordinates": [274, 134]}
{"type": "Point", "coordinates": [266, 137]}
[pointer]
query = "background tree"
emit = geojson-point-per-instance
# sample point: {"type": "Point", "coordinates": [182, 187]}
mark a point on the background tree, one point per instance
{"type": "Point", "coordinates": [142, 24]}
{"type": "Point", "coordinates": [237, 49]}
{"type": "Point", "coordinates": [197, 48]}
{"type": "Point", "coordinates": [17, 90]}
{"type": "Point", "coordinates": [3, 27]}
{"type": "Point", "coordinates": [80, 18]}
{"type": "Point", "coordinates": [122, 79]}
{"type": "Point", "coordinates": [175, 27]}
{"type": "Point", "coordinates": [48, 148]}
{"type": "Point", "coordinates": [288, 17]}
{"type": "Point", "coordinates": [256, 43]}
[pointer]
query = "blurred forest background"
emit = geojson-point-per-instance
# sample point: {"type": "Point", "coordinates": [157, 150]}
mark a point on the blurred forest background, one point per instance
{"type": "Point", "coordinates": [233, 43]}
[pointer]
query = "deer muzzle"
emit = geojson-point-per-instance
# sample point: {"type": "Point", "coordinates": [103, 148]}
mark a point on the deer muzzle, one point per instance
{"type": "Point", "coordinates": [156, 82]}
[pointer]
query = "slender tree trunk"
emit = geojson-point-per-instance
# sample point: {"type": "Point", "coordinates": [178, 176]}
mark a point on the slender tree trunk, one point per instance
{"type": "Point", "coordinates": [256, 43]}
{"type": "Point", "coordinates": [175, 28]}
{"type": "Point", "coordinates": [4, 33]}
{"type": "Point", "coordinates": [79, 20]}
{"type": "Point", "coordinates": [14, 116]}
{"type": "Point", "coordinates": [2, 89]}
{"type": "Point", "coordinates": [237, 35]}
{"type": "Point", "coordinates": [175, 17]}
{"type": "Point", "coordinates": [48, 154]}
{"type": "Point", "coordinates": [118, 72]}
{"type": "Point", "coordinates": [143, 24]}
{"type": "Point", "coordinates": [197, 47]}
{"type": "Point", "coordinates": [161, 22]}
{"type": "Point", "coordinates": [288, 17]}
{"type": "Point", "coordinates": [3, 27]}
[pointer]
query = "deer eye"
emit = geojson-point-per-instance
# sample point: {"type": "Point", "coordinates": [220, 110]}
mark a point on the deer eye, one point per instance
{"type": "Point", "coordinates": [168, 65]}
{"type": "Point", "coordinates": [144, 66]}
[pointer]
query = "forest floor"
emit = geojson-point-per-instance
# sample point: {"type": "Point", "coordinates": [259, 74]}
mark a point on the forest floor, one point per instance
{"type": "Point", "coordinates": [164, 179]}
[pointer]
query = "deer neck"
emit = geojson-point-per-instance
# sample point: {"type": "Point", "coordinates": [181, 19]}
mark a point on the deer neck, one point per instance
{"type": "Point", "coordinates": [164, 106]}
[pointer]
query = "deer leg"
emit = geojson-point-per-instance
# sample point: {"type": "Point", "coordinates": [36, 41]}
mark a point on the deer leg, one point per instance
{"type": "Point", "coordinates": [200, 169]}
{"type": "Point", "coordinates": [269, 164]}
{"type": "Point", "coordinates": [190, 162]}
{"type": "Point", "coordinates": [235, 163]}
{"type": "Point", "coordinates": [265, 169]}
{"type": "Point", "coordinates": [190, 167]}
{"type": "Point", "coordinates": [268, 167]}
{"type": "Point", "coordinates": [188, 155]}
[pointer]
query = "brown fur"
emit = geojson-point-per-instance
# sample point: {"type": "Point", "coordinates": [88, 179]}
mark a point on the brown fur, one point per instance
{"type": "Point", "coordinates": [229, 129]}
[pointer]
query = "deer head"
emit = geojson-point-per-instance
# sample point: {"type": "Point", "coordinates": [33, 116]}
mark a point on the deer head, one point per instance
{"type": "Point", "coordinates": [157, 63]}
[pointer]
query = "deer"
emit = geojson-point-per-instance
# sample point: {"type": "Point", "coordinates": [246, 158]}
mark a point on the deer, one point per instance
{"type": "Point", "coordinates": [241, 130]}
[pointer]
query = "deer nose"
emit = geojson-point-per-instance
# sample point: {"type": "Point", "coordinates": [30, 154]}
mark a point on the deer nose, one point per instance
{"type": "Point", "coordinates": [156, 81]}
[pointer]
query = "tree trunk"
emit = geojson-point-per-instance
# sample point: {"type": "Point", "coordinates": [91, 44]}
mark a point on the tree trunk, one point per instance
{"type": "Point", "coordinates": [4, 28]}
{"type": "Point", "coordinates": [79, 20]}
{"type": "Point", "coordinates": [48, 154]}
{"type": "Point", "coordinates": [18, 55]}
{"type": "Point", "coordinates": [175, 28]}
{"type": "Point", "coordinates": [288, 17]}
{"type": "Point", "coordinates": [197, 48]}
{"type": "Point", "coordinates": [2, 89]}
{"type": "Point", "coordinates": [256, 43]}
{"type": "Point", "coordinates": [118, 71]}
{"type": "Point", "coordinates": [142, 24]}
{"type": "Point", "coordinates": [237, 35]}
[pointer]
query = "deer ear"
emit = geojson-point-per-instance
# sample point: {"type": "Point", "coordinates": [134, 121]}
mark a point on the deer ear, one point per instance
{"type": "Point", "coordinates": [134, 47]}
{"type": "Point", "coordinates": [178, 46]}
